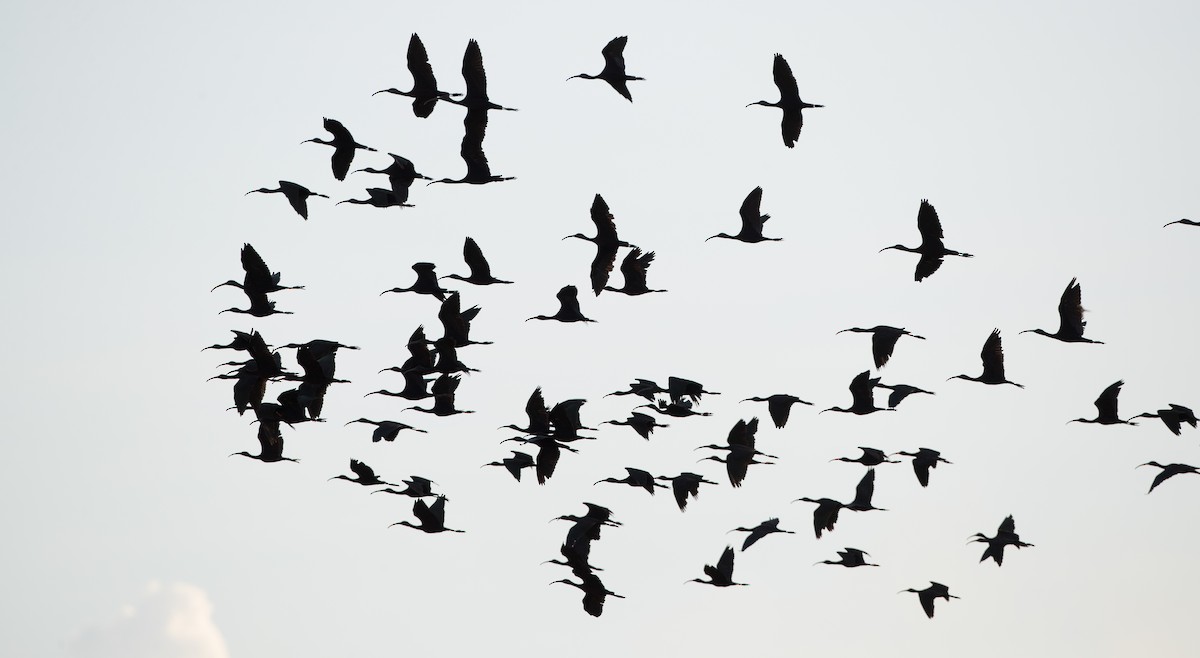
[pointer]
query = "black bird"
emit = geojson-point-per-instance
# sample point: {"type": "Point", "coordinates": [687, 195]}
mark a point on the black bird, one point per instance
{"type": "Point", "coordinates": [643, 388]}
{"type": "Point", "coordinates": [923, 460]}
{"type": "Point", "coordinates": [514, 464]}
{"type": "Point", "coordinates": [443, 397]}
{"type": "Point", "coordinates": [722, 574]}
{"type": "Point", "coordinates": [759, 531]}
{"type": "Point", "coordinates": [1106, 408]}
{"type": "Point", "coordinates": [606, 242]}
{"type": "Point", "coordinates": [752, 221]}
{"type": "Point", "coordinates": [568, 307]}
{"type": "Point", "coordinates": [1168, 471]}
{"type": "Point", "coordinates": [549, 452]}
{"type": "Point", "coordinates": [1070, 318]}
{"type": "Point", "coordinates": [586, 528]}
{"type": "Point", "coordinates": [633, 268]}
{"type": "Point", "coordinates": [614, 68]}
{"type": "Point", "coordinates": [992, 356]}
{"type": "Point", "coordinates": [594, 592]}
{"type": "Point", "coordinates": [737, 464]}
{"type": "Point", "coordinates": [643, 424]}
{"type": "Point", "coordinates": [296, 194]}
{"type": "Point", "coordinates": [456, 323]}
{"type": "Point", "coordinates": [850, 557]}
{"type": "Point", "coordinates": [883, 341]}
{"type": "Point", "coordinates": [1185, 221]}
{"type": "Point", "coordinates": [476, 81]}
{"type": "Point", "coordinates": [426, 283]}
{"type": "Point", "coordinates": [259, 278]}
{"type": "Point", "coordinates": [899, 392]}
{"type": "Point", "coordinates": [379, 198]}
{"type": "Point", "coordinates": [927, 596]}
{"type": "Point", "coordinates": [825, 515]}
{"type": "Point", "coordinates": [416, 487]}
{"type": "Point", "coordinates": [683, 485]}
{"type": "Point", "coordinates": [241, 342]}
{"type": "Point", "coordinates": [1006, 535]}
{"type": "Point", "coordinates": [271, 444]}
{"type": "Point", "coordinates": [320, 347]}
{"type": "Point", "coordinates": [870, 457]}
{"type": "Point", "coordinates": [1173, 418]}
{"type": "Point", "coordinates": [386, 430]}
{"type": "Point", "coordinates": [931, 248]}
{"type": "Point", "coordinates": [862, 391]}
{"type": "Point", "coordinates": [576, 557]}
{"type": "Point", "coordinates": [481, 272]}
{"type": "Point", "coordinates": [863, 494]}
{"type": "Point", "coordinates": [432, 517]}
{"type": "Point", "coordinates": [401, 175]}
{"type": "Point", "coordinates": [789, 101]}
{"type": "Point", "coordinates": [364, 475]}
{"type": "Point", "coordinates": [416, 387]}
{"type": "Point", "coordinates": [479, 172]}
{"type": "Point", "coordinates": [424, 92]}
{"type": "Point", "coordinates": [680, 409]}
{"type": "Point", "coordinates": [679, 388]}
{"type": "Point", "coordinates": [779, 405]}
{"type": "Point", "coordinates": [538, 414]}
{"type": "Point", "coordinates": [741, 439]}
{"type": "Point", "coordinates": [636, 478]}
{"type": "Point", "coordinates": [343, 145]}
{"type": "Point", "coordinates": [260, 306]}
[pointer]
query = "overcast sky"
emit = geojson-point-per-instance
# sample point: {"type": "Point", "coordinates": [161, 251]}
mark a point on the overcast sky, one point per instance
{"type": "Point", "coordinates": [1054, 141]}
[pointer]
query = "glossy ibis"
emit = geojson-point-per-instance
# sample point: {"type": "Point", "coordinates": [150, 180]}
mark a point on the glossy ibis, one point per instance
{"type": "Point", "coordinates": [992, 356]}
{"type": "Point", "coordinates": [789, 101]}
{"type": "Point", "coordinates": [424, 92]}
{"type": "Point", "coordinates": [1106, 408]}
{"type": "Point", "coordinates": [1070, 318]}
{"type": "Point", "coordinates": [296, 194]}
{"type": "Point", "coordinates": [614, 68]}
{"type": "Point", "coordinates": [722, 574]}
{"type": "Point", "coordinates": [932, 249]}
{"type": "Point", "coordinates": [343, 145]}
{"type": "Point", "coordinates": [779, 406]}
{"type": "Point", "coordinates": [883, 341]}
{"type": "Point", "coordinates": [752, 221]}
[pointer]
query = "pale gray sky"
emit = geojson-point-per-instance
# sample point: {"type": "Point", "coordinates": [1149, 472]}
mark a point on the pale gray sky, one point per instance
{"type": "Point", "coordinates": [1054, 141]}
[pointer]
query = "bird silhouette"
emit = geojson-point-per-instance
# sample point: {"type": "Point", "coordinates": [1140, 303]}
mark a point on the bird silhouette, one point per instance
{"type": "Point", "coordinates": [679, 388]}
{"type": "Point", "coordinates": [680, 409]}
{"type": "Point", "coordinates": [320, 347]}
{"type": "Point", "coordinates": [683, 485]}
{"type": "Point", "coordinates": [642, 387]}
{"type": "Point", "coordinates": [424, 92]}
{"type": "Point", "coordinates": [722, 574]}
{"type": "Point", "coordinates": [271, 444]}
{"type": "Point", "coordinates": [633, 268]}
{"type": "Point", "coordinates": [586, 528]}
{"type": "Point", "coordinates": [364, 475]}
{"type": "Point", "coordinates": [1070, 318]}
{"type": "Point", "coordinates": [636, 478]}
{"type": "Point", "coordinates": [538, 414]}
{"type": "Point", "coordinates": [241, 342]}
{"type": "Point", "coordinates": [432, 517]}
{"type": "Point", "coordinates": [416, 387]}
{"type": "Point", "coordinates": [475, 77]}
{"type": "Point", "coordinates": [386, 430]}
{"type": "Point", "coordinates": [789, 101]}
{"type": "Point", "coordinates": [741, 439]}
{"type": "Point", "coordinates": [752, 221]}
{"type": "Point", "coordinates": [401, 174]}
{"type": "Point", "coordinates": [1006, 535]}
{"type": "Point", "coordinates": [1173, 417]}
{"type": "Point", "coordinates": [759, 531]}
{"type": "Point", "coordinates": [576, 557]}
{"type": "Point", "coordinates": [568, 307]}
{"type": "Point", "coordinates": [1168, 471]}
{"type": "Point", "coordinates": [296, 194]}
{"type": "Point", "coordinates": [862, 391]}
{"type": "Point", "coordinates": [549, 452]}
{"type": "Point", "coordinates": [481, 272]}
{"type": "Point", "coordinates": [417, 487]}
{"type": "Point", "coordinates": [260, 306]}
{"type": "Point", "coordinates": [479, 172]}
{"type": "Point", "coordinates": [426, 283]}
{"type": "Point", "coordinates": [863, 494]}
{"type": "Point", "coordinates": [594, 592]}
{"type": "Point", "coordinates": [259, 278]}
{"type": "Point", "coordinates": [443, 389]}
{"type": "Point", "coordinates": [850, 558]}
{"type": "Point", "coordinates": [870, 457]}
{"type": "Point", "coordinates": [899, 392]}
{"type": "Point", "coordinates": [343, 145]}
{"type": "Point", "coordinates": [883, 341]}
{"type": "Point", "coordinates": [779, 406]}
{"type": "Point", "coordinates": [378, 197]}
{"type": "Point", "coordinates": [606, 241]}
{"type": "Point", "coordinates": [923, 460]}
{"type": "Point", "coordinates": [643, 424]}
{"type": "Point", "coordinates": [1185, 221]}
{"type": "Point", "coordinates": [515, 464]}
{"type": "Point", "coordinates": [927, 596]}
{"type": "Point", "coordinates": [1106, 408]}
{"type": "Point", "coordinates": [614, 68]}
{"type": "Point", "coordinates": [992, 356]}
{"type": "Point", "coordinates": [932, 249]}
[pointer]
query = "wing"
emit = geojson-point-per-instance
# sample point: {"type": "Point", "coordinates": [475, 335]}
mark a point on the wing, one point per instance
{"type": "Point", "coordinates": [606, 226]}
{"type": "Point", "coordinates": [752, 221]}
{"type": "Point", "coordinates": [862, 389]}
{"type": "Point", "coordinates": [547, 459]}
{"type": "Point", "coordinates": [418, 65]}
{"type": "Point", "coordinates": [1070, 311]}
{"type": "Point", "coordinates": [614, 56]}
{"type": "Point", "coordinates": [926, 602]}
{"type": "Point", "coordinates": [921, 468]}
{"type": "Point", "coordinates": [725, 564]}
{"type": "Point", "coordinates": [780, 407]}
{"type": "Point", "coordinates": [790, 126]}
{"type": "Point", "coordinates": [634, 267]}
{"type": "Point", "coordinates": [602, 265]}
{"type": "Point", "coordinates": [865, 490]}
{"type": "Point", "coordinates": [930, 227]}
{"type": "Point", "coordinates": [882, 344]}
{"type": "Point", "coordinates": [992, 356]}
{"type": "Point", "coordinates": [363, 471]}
{"type": "Point", "coordinates": [788, 91]}
{"type": "Point", "coordinates": [1007, 526]}
{"type": "Point", "coordinates": [475, 260]}
{"type": "Point", "coordinates": [473, 73]}
{"type": "Point", "coordinates": [680, 488]}
{"type": "Point", "coordinates": [928, 264]}
{"type": "Point", "coordinates": [535, 409]}
{"type": "Point", "coordinates": [1106, 404]}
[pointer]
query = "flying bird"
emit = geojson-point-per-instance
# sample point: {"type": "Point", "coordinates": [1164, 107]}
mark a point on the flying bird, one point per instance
{"type": "Point", "coordinates": [927, 596]}
{"type": "Point", "coordinates": [1168, 471]}
{"type": "Point", "coordinates": [883, 341]}
{"type": "Point", "coordinates": [1173, 417]}
{"type": "Point", "coordinates": [416, 487]}
{"type": "Point", "coordinates": [386, 430]}
{"type": "Point", "coordinates": [636, 478]}
{"type": "Point", "coordinates": [779, 406]}
{"type": "Point", "coordinates": [1106, 408]}
{"type": "Point", "coordinates": [789, 101]}
{"type": "Point", "coordinates": [992, 356]}
{"type": "Point", "coordinates": [481, 272]}
{"type": "Point", "coordinates": [722, 574]}
{"type": "Point", "coordinates": [923, 460]}
{"type": "Point", "coordinates": [364, 475]}
{"type": "Point", "coordinates": [378, 197]}
{"type": "Point", "coordinates": [862, 392]}
{"type": "Point", "coordinates": [259, 279]}
{"type": "Point", "coordinates": [606, 241]}
{"type": "Point", "coordinates": [643, 424]}
{"type": "Point", "coordinates": [475, 77]}
{"type": "Point", "coordinates": [296, 194]}
{"type": "Point", "coordinates": [850, 558]}
{"type": "Point", "coordinates": [594, 592]}
{"type": "Point", "coordinates": [614, 68]}
{"type": "Point", "coordinates": [1006, 535]}
{"type": "Point", "coordinates": [515, 464]}
{"type": "Point", "coordinates": [424, 92]}
{"type": "Point", "coordinates": [479, 172]}
{"type": "Point", "coordinates": [752, 221]}
{"type": "Point", "coordinates": [426, 283]}
{"type": "Point", "coordinates": [684, 485]}
{"type": "Point", "coordinates": [1185, 221]}
{"type": "Point", "coordinates": [633, 268]}
{"type": "Point", "coordinates": [432, 517]}
{"type": "Point", "coordinates": [402, 173]}
{"type": "Point", "coordinates": [870, 457]}
{"type": "Point", "coordinates": [932, 249]}
{"type": "Point", "coordinates": [899, 392]}
{"type": "Point", "coordinates": [568, 307]}
{"type": "Point", "coordinates": [759, 531]}
{"type": "Point", "coordinates": [343, 145]}
{"type": "Point", "coordinates": [1070, 318]}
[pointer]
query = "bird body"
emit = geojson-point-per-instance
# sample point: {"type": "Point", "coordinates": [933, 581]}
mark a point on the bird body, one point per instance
{"type": "Point", "coordinates": [643, 424]}
{"type": "Point", "coordinates": [761, 530]}
{"type": "Point", "coordinates": [364, 475]}
{"type": "Point", "coordinates": [931, 249]}
{"type": "Point", "coordinates": [633, 268]}
{"type": "Point", "coordinates": [1169, 471]}
{"type": "Point", "coordinates": [386, 430]}
{"type": "Point", "coordinates": [789, 101]}
{"type": "Point", "coordinates": [850, 558]}
{"type": "Point", "coordinates": [614, 68]}
{"type": "Point", "coordinates": [636, 477]}
{"type": "Point", "coordinates": [1106, 408]}
{"type": "Point", "coordinates": [779, 406]}
{"type": "Point", "coordinates": [297, 195]}
{"type": "Point", "coordinates": [1070, 318]}
{"type": "Point", "coordinates": [481, 272]}
{"type": "Point", "coordinates": [568, 307]}
{"type": "Point", "coordinates": [683, 485]}
{"type": "Point", "coordinates": [883, 341]}
{"type": "Point", "coordinates": [432, 517]}
{"type": "Point", "coordinates": [992, 356]}
{"type": "Point", "coordinates": [1006, 535]}
{"type": "Point", "coordinates": [426, 283]}
{"type": "Point", "coordinates": [514, 464]}
{"type": "Point", "coordinates": [424, 92]}
{"type": "Point", "coordinates": [923, 460]}
{"type": "Point", "coordinates": [720, 575]}
{"type": "Point", "coordinates": [343, 145]}
{"type": "Point", "coordinates": [862, 392]}
{"type": "Point", "coordinates": [1173, 417]}
{"type": "Point", "coordinates": [931, 593]}
{"type": "Point", "coordinates": [752, 221]}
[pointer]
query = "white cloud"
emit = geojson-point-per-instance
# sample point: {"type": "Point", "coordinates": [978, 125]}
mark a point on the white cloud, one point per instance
{"type": "Point", "coordinates": [169, 620]}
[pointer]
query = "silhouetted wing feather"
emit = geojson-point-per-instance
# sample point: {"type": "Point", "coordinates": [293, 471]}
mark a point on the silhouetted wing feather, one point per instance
{"type": "Point", "coordinates": [473, 255]}
{"type": "Point", "coordinates": [602, 265]}
{"type": "Point", "coordinates": [362, 470]}
{"type": "Point", "coordinates": [752, 221]}
{"type": "Point", "coordinates": [929, 225]}
{"type": "Point", "coordinates": [1070, 311]}
{"type": "Point", "coordinates": [926, 266]}
{"type": "Point", "coordinates": [992, 356]}
{"type": "Point", "coordinates": [606, 226]}
{"type": "Point", "coordinates": [882, 345]}
{"type": "Point", "coordinates": [424, 82]}
{"type": "Point", "coordinates": [473, 73]}
{"type": "Point", "coordinates": [790, 126]}
{"type": "Point", "coordinates": [865, 489]}
{"type": "Point", "coordinates": [1007, 526]}
{"type": "Point", "coordinates": [725, 564]}
{"type": "Point", "coordinates": [786, 82]}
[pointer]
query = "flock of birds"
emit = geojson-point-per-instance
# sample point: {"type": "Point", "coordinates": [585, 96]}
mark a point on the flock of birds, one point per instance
{"type": "Point", "coordinates": [433, 369]}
